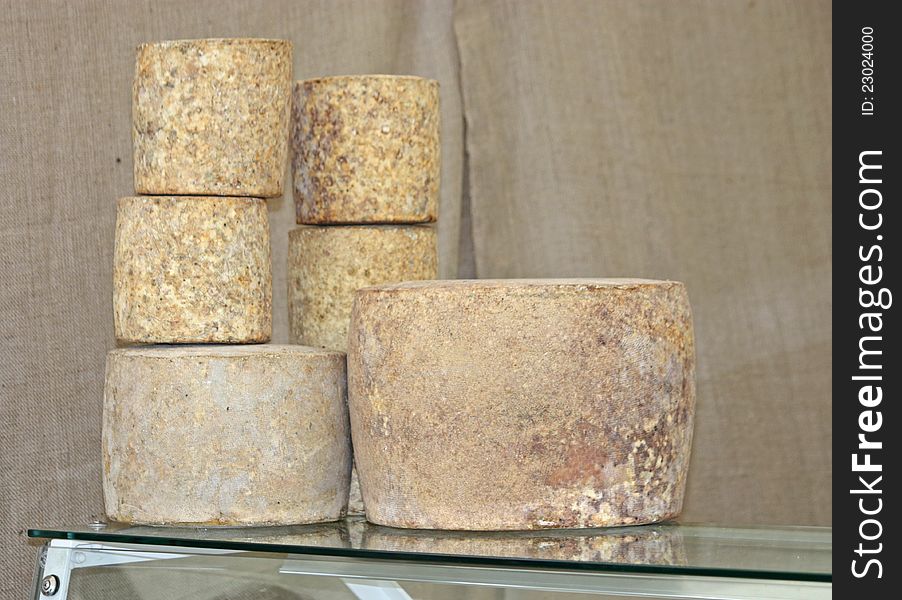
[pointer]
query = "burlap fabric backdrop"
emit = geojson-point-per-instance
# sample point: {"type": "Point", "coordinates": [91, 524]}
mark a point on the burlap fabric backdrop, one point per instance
{"type": "Point", "coordinates": [686, 140]}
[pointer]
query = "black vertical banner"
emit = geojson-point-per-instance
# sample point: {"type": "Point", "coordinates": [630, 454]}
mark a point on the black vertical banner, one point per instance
{"type": "Point", "coordinates": [866, 372]}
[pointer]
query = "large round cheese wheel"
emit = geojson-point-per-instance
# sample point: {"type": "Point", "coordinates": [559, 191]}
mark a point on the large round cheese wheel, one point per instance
{"type": "Point", "coordinates": [366, 149]}
{"type": "Point", "coordinates": [522, 404]}
{"type": "Point", "coordinates": [192, 269]}
{"type": "Point", "coordinates": [210, 117]}
{"type": "Point", "coordinates": [225, 435]}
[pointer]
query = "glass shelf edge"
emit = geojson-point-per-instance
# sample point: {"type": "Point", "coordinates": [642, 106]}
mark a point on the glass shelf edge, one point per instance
{"type": "Point", "coordinates": [435, 558]}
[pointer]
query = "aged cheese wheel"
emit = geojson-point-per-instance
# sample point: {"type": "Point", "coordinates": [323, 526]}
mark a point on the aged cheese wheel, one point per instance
{"type": "Point", "coordinates": [211, 117]}
{"type": "Point", "coordinates": [189, 269]}
{"type": "Point", "coordinates": [225, 435]}
{"type": "Point", "coordinates": [326, 265]}
{"type": "Point", "coordinates": [366, 149]}
{"type": "Point", "coordinates": [521, 404]}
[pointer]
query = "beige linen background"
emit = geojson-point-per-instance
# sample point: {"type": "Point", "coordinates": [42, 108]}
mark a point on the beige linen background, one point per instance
{"type": "Point", "coordinates": [684, 140]}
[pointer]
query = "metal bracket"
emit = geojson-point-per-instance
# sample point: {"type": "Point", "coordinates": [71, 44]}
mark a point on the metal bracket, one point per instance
{"type": "Point", "coordinates": [374, 589]}
{"type": "Point", "coordinates": [59, 557]}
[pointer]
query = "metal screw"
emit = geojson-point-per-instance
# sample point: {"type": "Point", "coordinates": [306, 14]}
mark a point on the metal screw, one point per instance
{"type": "Point", "coordinates": [97, 525]}
{"type": "Point", "coordinates": [50, 585]}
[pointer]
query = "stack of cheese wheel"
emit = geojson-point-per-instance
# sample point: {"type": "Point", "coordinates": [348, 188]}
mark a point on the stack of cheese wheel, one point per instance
{"type": "Point", "coordinates": [366, 169]}
{"type": "Point", "coordinates": [204, 422]}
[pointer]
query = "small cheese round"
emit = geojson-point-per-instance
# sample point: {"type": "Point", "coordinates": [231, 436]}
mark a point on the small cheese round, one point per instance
{"type": "Point", "coordinates": [326, 265]}
{"type": "Point", "coordinates": [189, 269]}
{"type": "Point", "coordinates": [225, 435]}
{"type": "Point", "coordinates": [366, 149]}
{"type": "Point", "coordinates": [211, 117]}
{"type": "Point", "coordinates": [521, 404]}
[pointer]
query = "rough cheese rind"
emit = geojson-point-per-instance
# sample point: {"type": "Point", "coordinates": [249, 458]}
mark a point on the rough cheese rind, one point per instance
{"type": "Point", "coordinates": [522, 404]}
{"type": "Point", "coordinates": [326, 265]}
{"type": "Point", "coordinates": [211, 117]}
{"type": "Point", "coordinates": [225, 435]}
{"type": "Point", "coordinates": [365, 149]}
{"type": "Point", "coordinates": [190, 269]}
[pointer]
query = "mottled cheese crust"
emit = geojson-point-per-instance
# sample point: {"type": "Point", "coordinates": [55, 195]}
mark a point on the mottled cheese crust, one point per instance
{"type": "Point", "coordinates": [210, 117]}
{"type": "Point", "coordinates": [225, 435]}
{"type": "Point", "coordinates": [189, 269]}
{"type": "Point", "coordinates": [522, 404]}
{"type": "Point", "coordinates": [326, 265]}
{"type": "Point", "coordinates": [365, 149]}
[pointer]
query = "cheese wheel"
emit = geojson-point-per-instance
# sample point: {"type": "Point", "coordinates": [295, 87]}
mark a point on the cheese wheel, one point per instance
{"type": "Point", "coordinates": [211, 117]}
{"type": "Point", "coordinates": [189, 269]}
{"type": "Point", "coordinates": [366, 149]}
{"type": "Point", "coordinates": [326, 265]}
{"type": "Point", "coordinates": [225, 435]}
{"type": "Point", "coordinates": [522, 404]}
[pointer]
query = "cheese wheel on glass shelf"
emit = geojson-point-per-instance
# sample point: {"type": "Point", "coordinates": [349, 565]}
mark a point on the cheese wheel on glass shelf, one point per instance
{"type": "Point", "coordinates": [210, 117]}
{"type": "Point", "coordinates": [522, 404]}
{"type": "Point", "coordinates": [365, 149]}
{"type": "Point", "coordinates": [225, 435]}
{"type": "Point", "coordinates": [192, 270]}
{"type": "Point", "coordinates": [326, 265]}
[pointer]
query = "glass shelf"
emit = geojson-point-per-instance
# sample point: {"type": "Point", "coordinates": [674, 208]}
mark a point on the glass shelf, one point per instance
{"type": "Point", "coordinates": [796, 553]}
{"type": "Point", "coordinates": [665, 558]}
